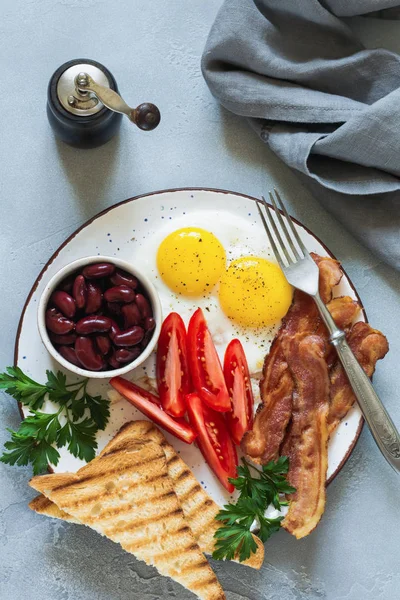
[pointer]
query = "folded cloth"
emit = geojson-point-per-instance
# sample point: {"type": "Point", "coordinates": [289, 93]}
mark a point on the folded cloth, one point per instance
{"type": "Point", "coordinates": [324, 104]}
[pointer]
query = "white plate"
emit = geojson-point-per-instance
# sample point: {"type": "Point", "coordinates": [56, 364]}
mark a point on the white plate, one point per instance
{"type": "Point", "coordinates": [121, 231]}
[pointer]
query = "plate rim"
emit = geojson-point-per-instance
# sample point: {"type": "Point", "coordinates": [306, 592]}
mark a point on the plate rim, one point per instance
{"type": "Point", "coordinates": [171, 191]}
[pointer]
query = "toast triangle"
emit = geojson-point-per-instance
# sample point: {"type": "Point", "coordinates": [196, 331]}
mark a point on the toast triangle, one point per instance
{"type": "Point", "coordinates": [128, 496]}
{"type": "Point", "coordinates": [199, 509]}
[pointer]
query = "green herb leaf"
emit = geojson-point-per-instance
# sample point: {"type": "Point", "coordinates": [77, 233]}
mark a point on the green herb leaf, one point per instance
{"type": "Point", "coordinates": [56, 385]}
{"type": "Point", "coordinates": [235, 541]}
{"type": "Point", "coordinates": [82, 439]}
{"type": "Point", "coordinates": [42, 454]}
{"type": "Point", "coordinates": [258, 490]}
{"type": "Point", "coordinates": [23, 388]}
{"type": "Point", "coordinates": [99, 409]}
{"type": "Point", "coordinates": [40, 426]}
{"type": "Point", "coordinates": [34, 441]}
{"type": "Point", "coordinates": [268, 527]}
{"type": "Point", "coordinates": [25, 450]}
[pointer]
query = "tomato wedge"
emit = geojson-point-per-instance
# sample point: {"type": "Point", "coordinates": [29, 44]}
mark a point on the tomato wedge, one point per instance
{"type": "Point", "coordinates": [213, 439]}
{"type": "Point", "coordinates": [237, 379]}
{"type": "Point", "coordinates": [172, 368]}
{"type": "Point", "coordinates": [148, 404]}
{"type": "Point", "coordinates": [205, 367]}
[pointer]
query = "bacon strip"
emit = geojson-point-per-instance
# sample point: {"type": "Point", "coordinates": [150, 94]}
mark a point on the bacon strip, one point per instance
{"type": "Point", "coordinates": [308, 445]}
{"type": "Point", "coordinates": [343, 310]}
{"type": "Point", "coordinates": [262, 443]}
{"type": "Point", "coordinates": [369, 345]}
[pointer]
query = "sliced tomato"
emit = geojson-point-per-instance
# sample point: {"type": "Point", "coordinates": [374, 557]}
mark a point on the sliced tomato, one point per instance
{"type": "Point", "coordinates": [205, 367]}
{"type": "Point", "coordinates": [238, 382]}
{"type": "Point", "coordinates": [173, 379]}
{"type": "Point", "coordinates": [213, 439]}
{"type": "Point", "coordinates": [149, 405]}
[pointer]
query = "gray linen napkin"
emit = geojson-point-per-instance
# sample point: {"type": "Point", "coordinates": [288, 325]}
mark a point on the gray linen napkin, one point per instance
{"type": "Point", "coordinates": [324, 104]}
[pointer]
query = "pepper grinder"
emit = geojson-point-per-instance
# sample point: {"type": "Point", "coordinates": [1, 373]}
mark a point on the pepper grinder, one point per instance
{"type": "Point", "coordinates": [85, 109]}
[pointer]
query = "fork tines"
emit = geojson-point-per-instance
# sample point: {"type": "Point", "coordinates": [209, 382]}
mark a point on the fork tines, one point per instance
{"type": "Point", "coordinates": [280, 246]}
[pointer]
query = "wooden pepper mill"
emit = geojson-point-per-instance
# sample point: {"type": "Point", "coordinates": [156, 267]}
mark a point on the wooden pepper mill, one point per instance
{"type": "Point", "coordinates": [85, 109]}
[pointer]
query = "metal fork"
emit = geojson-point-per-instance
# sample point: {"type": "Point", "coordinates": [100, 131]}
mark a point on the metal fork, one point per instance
{"type": "Point", "coordinates": [302, 273]}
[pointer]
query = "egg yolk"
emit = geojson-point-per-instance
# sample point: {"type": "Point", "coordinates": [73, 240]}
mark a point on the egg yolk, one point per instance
{"type": "Point", "coordinates": [254, 292]}
{"type": "Point", "coordinates": [191, 261]}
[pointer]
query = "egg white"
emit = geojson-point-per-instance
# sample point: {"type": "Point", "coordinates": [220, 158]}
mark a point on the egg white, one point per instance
{"type": "Point", "coordinates": [238, 239]}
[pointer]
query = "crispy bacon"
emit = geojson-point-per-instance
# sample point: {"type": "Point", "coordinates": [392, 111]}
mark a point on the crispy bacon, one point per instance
{"type": "Point", "coordinates": [330, 275]}
{"type": "Point", "coordinates": [305, 393]}
{"type": "Point", "coordinates": [369, 345]}
{"type": "Point", "coordinates": [308, 443]}
{"type": "Point", "coordinates": [262, 443]}
{"type": "Point", "coordinates": [343, 310]}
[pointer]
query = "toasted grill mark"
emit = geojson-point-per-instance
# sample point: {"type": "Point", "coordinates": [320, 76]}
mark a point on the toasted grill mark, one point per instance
{"type": "Point", "coordinates": [110, 512]}
{"type": "Point", "coordinates": [107, 494]}
{"type": "Point", "coordinates": [173, 460]}
{"type": "Point", "coordinates": [177, 552]}
{"type": "Point", "coordinates": [149, 541]}
{"type": "Point", "coordinates": [186, 473]}
{"type": "Point", "coordinates": [193, 490]}
{"type": "Point", "coordinates": [155, 498]}
{"type": "Point", "coordinates": [211, 580]}
{"type": "Point", "coordinates": [183, 528]}
{"type": "Point", "coordinates": [208, 502]}
{"type": "Point", "coordinates": [132, 525]}
{"type": "Point", "coordinates": [107, 474]}
{"type": "Point", "coordinates": [191, 567]}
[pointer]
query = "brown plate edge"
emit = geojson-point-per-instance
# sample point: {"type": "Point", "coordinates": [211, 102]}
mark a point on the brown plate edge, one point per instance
{"type": "Point", "coordinates": [168, 191]}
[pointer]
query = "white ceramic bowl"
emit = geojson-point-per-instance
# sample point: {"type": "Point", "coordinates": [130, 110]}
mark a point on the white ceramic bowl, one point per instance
{"type": "Point", "coordinates": [68, 270]}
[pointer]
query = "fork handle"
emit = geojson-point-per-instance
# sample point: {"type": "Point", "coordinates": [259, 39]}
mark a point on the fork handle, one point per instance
{"type": "Point", "coordinates": [381, 425]}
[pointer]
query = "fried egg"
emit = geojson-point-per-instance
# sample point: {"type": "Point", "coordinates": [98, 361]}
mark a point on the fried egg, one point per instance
{"type": "Point", "coordinates": [254, 292]}
{"type": "Point", "coordinates": [237, 239]}
{"type": "Point", "coordinates": [191, 261]}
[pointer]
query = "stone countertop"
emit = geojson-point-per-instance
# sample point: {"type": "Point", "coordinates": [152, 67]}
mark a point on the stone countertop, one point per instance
{"type": "Point", "coordinates": [49, 189]}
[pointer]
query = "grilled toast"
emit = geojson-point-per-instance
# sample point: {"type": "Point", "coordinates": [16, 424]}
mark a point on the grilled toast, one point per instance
{"type": "Point", "coordinates": [128, 496]}
{"type": "Point", "coordinates": [199, 509]}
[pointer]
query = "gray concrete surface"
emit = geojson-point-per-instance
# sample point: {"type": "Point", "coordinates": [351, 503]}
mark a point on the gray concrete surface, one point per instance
{"type": "Point", "coordinates": [49, 189]}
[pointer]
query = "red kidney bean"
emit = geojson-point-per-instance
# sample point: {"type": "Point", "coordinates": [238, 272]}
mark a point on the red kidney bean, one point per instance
{"type": "Point", "coordinates": [119, 293]}
{"type": "Point", "coordinates": [64, 302]}
{"type": "Point", "coordinates": [63, 340]}
{"type": "Point", "coordinates": [144, 306]}
{"type": "Point", "coordinates": [129, 337]}
{"type": "Point", "coordinates": [70, 355]}
{"type": "Point", "coordinates": [93, 324]}
{"type": "Point", "coordinates": [94, 298]}
{"type": "Point", "coordinates": [124, 278]}
{"type": "Point", "coordinates": [124, 355]}
{"type": "Point", "coordinates": [79, 291]}
{"type": "Point", "coordinates": [149, 324]}
{"type": "Point", "coordinates": [87, 355]}
{"type": "Point", "coordinates": [112, 361]}
{"type": "Point", "coordinates": [114, 330]}
{"type": "Point", "coordinates": [103, 344]}
{"type": "Point", "coordinates": [131, 314]}
{"type": "Point", "coordinates": [146, 338]}
{"type": "Point", "coordinates": [66, 284]}
{"type": "Point", "coordinates": [114, 308]}
{"type": "Point", "coordinates": [57, 323]}
{"type": "Point", "coordinates": [98, 270]}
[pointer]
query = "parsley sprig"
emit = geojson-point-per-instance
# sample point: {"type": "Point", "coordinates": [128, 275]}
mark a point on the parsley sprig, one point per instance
{"type": "Point", "coordinates": [257, 493]}
{"type": "Point", "coordinates": [74, 424]}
